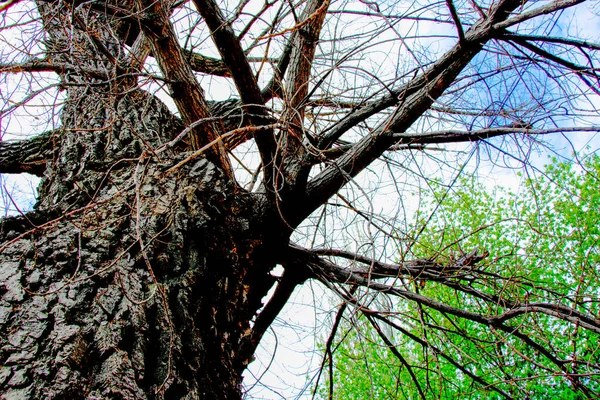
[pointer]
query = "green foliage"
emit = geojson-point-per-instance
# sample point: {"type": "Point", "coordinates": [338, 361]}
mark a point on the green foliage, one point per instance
{"type": "Point", "coordinates": [544, 247]}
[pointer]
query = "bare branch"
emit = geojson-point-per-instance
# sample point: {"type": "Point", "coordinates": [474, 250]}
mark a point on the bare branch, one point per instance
{"type": "Point", "coordinates": [567, 314]}
{"type": "Point", "coordinates": [8, 4]}
{"type": "Point", "coordinates": [578, 69]}
{"type": "Point", "coordinates": [333, 273]}
{"type": "Point", "coordinates": [418, 96]}
{"type": "Point", "coordinates": [459, 28]}
{"type": "Point", "coordinates": [453, 60]}
{"type": "Point", "coordinates": [395, 352]}
{"type": "Point", "coordinates": [451, 275]}
{"type": "Point", "coordinates": [296, 95]}
{"type": "Point", "coordinates": [410, 140]}
{"type": "Point", "coordinates": [545, 9]}
{"type": "Point", "coordinates": [29, 155]}
{"type": "Point", "coordinates": [287, 283]}
{"type": "Point", "coordinates": [549, 39]}
{"type": "Point", "coordinates": [455, 136]}
{"type": "Point", "coordinates": [231, 51]}
{"type": "Point", "coordinates": [274, 88]}
{"type": "Point", "coordinates": [426, 344]}
{"type": "Point", "coordinates": [232, 54]}
{"type": "Point", "coordinates": [304, 46]}
{"type": "Point", "coordinates": [140, 51]}
{"type": "Point", "coordinates": [185, 90]}
{"type": "Point", "coordinates": [213, 66]}
{"type": "Point", "coordinates": [50, 66]}
{"type": "Point", "coordinates": [329, 344]}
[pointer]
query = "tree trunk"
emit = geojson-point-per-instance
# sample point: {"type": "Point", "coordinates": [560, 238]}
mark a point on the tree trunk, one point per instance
{"type": "Point", "coordinates": [132, 279]}
{"type": "Point", "coordinates": [129, 281]}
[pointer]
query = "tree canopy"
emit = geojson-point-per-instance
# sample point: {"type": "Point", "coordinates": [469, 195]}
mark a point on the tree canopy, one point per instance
{"type": "Point", "coordinates": [537, 247]}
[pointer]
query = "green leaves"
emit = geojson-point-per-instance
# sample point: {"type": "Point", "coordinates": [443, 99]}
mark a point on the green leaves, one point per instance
{"type": "Point", "coordinates": [544, 255]}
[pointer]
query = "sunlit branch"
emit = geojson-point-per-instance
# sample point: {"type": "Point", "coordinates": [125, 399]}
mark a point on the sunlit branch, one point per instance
{"type": "Point", "coordinates": [303, 52]}
{"type": "Point", "coordinates": [549, 39]}
{"type": "Point", "coordinates": [185, 90]}
{"type": "Point", "coordinates": [296, 92]}
{"type": "Point", "coordinates": [543, 10]}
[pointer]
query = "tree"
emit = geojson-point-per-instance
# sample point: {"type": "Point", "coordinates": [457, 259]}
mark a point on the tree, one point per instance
{"type": "Point", "coordinates": [142, 270]}
{"type": "Point", "coordinates": [540, 240]}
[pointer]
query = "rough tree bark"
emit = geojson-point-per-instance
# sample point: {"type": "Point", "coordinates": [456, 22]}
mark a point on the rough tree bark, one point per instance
{"type": "Point", "coordinates": [141, 272]}
{"type": "Point", "coordinates": [131, 279]}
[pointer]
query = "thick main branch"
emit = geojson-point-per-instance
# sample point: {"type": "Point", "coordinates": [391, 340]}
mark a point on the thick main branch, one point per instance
{"type": "Point", "coordinates": [185, 89]}
{"type": "Point", "coordinates": [417, 98]}
{"type": "Point", "coordinates": [29, 155]}
{"type": "Point", "coordinates": [304, 44]}
{"type": "Point", "coordinates": [233, 55]}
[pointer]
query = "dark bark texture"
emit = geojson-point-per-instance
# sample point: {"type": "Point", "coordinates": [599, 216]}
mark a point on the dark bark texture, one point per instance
{"type": "Point", "coordinates": [145, 291]}
{"type": "Point", "coordinates": [131, 279]}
